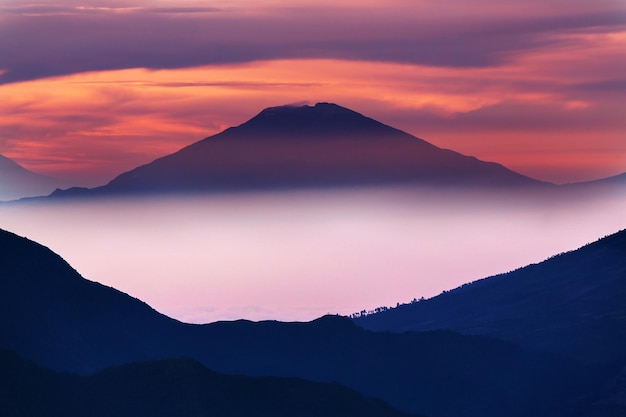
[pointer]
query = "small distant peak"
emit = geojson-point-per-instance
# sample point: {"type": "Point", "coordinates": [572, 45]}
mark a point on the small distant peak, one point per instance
{"type": "Point", "coordinates": [334, 321]}
{"type": "Point", "coordinates": [70, 192]}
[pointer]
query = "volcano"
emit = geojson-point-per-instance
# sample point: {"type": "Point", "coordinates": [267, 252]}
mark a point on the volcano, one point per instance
{"type": "Point", "coordinates": [320, 146]}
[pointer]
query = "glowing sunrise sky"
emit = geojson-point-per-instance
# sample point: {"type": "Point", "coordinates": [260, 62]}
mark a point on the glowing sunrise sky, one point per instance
{"type": "Point", "coordinates": [89, 89]}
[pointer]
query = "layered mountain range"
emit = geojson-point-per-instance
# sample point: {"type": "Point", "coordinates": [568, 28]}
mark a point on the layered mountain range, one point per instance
{"type": "Point", "coordinates": [49, 314]}
{"type": "Point", "coordinates": [545, 340]}
{"type": "Point", "coordinates": [173, 387]}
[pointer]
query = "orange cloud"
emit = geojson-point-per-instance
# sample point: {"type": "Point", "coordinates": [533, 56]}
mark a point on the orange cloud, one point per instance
{"type": "Point", "coordinates": [547, 102]}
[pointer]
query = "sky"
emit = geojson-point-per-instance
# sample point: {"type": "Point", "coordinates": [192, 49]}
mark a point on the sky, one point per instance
{"type": "Point", "coordinates": [90, 89]}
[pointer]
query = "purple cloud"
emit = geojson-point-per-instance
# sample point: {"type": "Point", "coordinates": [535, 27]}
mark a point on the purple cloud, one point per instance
{"type": "Point", "coordinates": [43, 41]}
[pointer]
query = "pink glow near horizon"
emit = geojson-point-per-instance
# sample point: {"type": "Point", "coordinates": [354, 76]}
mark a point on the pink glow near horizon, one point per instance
{"type": "Point", "coordinates": [296, 256]}
{"type": "Point", "coordinates": [111, 85]}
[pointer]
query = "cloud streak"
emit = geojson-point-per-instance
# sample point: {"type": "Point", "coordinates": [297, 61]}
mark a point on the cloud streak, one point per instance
{"type": "Point", "coordinates": [42, 41]}
{"type": "Point", "coordinates": [122, 119]}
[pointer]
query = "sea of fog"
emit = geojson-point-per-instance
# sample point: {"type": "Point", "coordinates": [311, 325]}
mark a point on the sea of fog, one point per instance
{"type": "Point", "coordinates": [299, 255]}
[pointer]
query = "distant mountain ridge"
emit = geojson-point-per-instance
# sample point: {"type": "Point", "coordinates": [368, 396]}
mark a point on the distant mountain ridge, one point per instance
{"type": "Point", "coordinates": [613, 181]}
{"type": "Point", "coordinates": [50, 314]}
{"type": "Point", "coordinates": [325, 145]}
{"type": "Point", "coordinates": [18, 182]}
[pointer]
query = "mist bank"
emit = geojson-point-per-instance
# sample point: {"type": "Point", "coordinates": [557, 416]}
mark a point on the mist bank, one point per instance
{"type": "Point", "coordinates": [296, 255]}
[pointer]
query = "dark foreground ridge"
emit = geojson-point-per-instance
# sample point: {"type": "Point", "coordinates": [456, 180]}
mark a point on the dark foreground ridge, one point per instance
{"type": "Point", "coordinates": [325, 145]}
{"type": "Point", "coordinates": [51, 315]}
{"type": "Point", "coordinates": [174, 387]}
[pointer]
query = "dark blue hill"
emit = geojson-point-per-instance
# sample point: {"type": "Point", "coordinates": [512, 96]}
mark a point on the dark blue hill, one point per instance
{"type": "Point", "coordinates": [573, 303]}
{"type": "Point", "coordinates": [51, 315]}
{"type": "Point", "coordinates": [174, 387]}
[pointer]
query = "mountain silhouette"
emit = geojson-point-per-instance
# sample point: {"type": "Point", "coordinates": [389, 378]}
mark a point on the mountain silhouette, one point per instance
{"type": "Point", "coordinates": [573, 303]}
{"type": "Point", "coordinates": [609, 182]}
{"type": "Point", "coordinates": [17, 182]}
{"type": "Point", "coordinates": [174, 387]}
{"type": "Point", "coordinates": [51, 315]}
{"type": "Point", "coordinates": [325, 145]}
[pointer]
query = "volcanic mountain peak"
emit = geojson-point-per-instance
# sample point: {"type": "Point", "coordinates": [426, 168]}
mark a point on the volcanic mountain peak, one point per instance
{"type": "Point", "coordinates": [291, 109]}
{"type": "Point", "coordinates": [304, 147]}
{"type": "Point", "coordinates": [320, 109]}
{"type": "Point", "coordinates": [322, 121]}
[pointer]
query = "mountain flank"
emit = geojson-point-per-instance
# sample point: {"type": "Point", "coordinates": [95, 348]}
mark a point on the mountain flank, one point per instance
{"type": "Point", "coordinates": [573, 303]}
{"type": "Point", "coordinates": [18, 182]}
